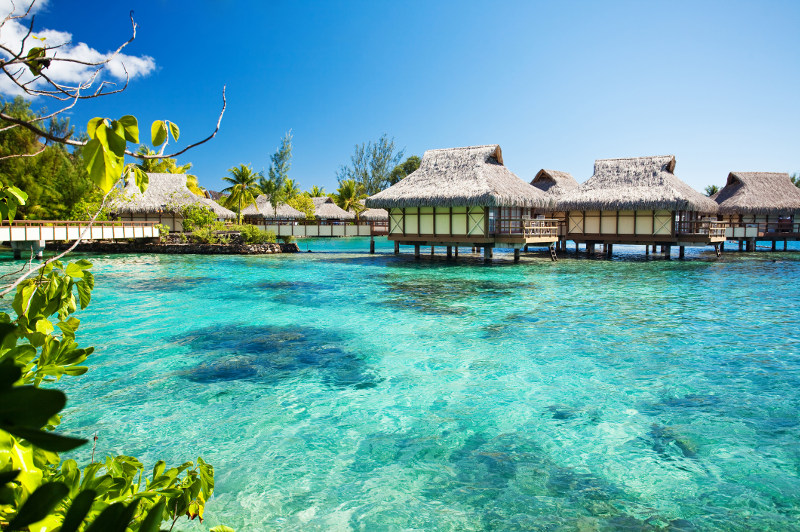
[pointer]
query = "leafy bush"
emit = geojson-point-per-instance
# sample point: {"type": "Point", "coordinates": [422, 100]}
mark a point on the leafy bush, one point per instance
{"type": "Point", "coordinates": [197, 217]}
{"type": "Point", "coordinates": [288, 239]}
{"type": "Point", "coordinates": [163, 229]}
{"type": "Point", "coordinates": [253, 235]}
{"type": "Point", "coordinates": [205, 235]}
{"type": "Point", "coordinates": [304, 204]}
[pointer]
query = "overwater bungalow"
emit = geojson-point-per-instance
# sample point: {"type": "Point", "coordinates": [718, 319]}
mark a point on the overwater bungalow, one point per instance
{"type": "Point", "coordinates": [166, 194]}
{"type": "Point", "coordinates": [760, 206]}
{"type": "Point", "coordinates": [640, 201]}
{"type": "Point", "coordinates": [328, 213]}
{"type": "Point", "coordinates": [465, 197]}
{"type": "Point", "coordinates": [261, 213]}
{"type": "Point", "coordinates": [555, 184]}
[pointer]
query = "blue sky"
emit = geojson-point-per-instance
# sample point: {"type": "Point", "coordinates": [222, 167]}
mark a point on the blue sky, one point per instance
{"type": "Point", "coordinates": [556, 84]}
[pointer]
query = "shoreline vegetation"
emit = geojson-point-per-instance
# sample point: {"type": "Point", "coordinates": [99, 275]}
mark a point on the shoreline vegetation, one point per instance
{"type": "Point", "coordinates": [178, 244]}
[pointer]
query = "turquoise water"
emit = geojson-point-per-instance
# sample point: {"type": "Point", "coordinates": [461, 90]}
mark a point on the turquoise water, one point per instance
{"type": "Point", "coordinates": [336, 390]}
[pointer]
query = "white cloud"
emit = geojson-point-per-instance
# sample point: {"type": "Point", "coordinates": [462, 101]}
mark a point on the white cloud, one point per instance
{"type": "Point", "coordinates": [12, 33]}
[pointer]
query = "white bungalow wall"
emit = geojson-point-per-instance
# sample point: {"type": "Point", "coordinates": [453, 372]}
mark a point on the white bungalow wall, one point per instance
{"type": "Point", "coordinates": [437, 221]}
{"type": "Point", "coordinates": [622, 222]}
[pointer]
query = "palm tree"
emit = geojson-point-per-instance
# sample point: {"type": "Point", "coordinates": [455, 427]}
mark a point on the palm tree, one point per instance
{"type": "Point", "coordinates": [290, 189]}
{"type": "Point", "coordinates": [317, 192]}
{"type": "Point", "coordinates": [169, 166]}
{"type": "Point", "coordinates": [711, 190]}
{"type": "Point", "coordinates": [349, 195]}
{"type": "Point", "coordinates": [243, 187]}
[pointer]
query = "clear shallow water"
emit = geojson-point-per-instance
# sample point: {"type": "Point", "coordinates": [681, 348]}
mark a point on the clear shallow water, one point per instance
{"type": "Point", "coordinates": [339, 390]}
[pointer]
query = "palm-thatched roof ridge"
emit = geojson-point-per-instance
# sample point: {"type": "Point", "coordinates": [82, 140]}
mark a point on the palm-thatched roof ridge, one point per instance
{"type": "Point", "coordinates": [554, 183]}
{"type": "Point", "coordinates": [770, 193]}
{"type": "Point", "coordinates": [472, 176]}
{"type": "Point", "coordinates": [373, 215]}
{"type": "Point", "coordinates": [638, 183]}
{"type": "Point", "coordinates": [263, 208]}
{"type": "Point", "coordinates": [165, 193]}
{"type": "Point", "coordinates": [326, 209]}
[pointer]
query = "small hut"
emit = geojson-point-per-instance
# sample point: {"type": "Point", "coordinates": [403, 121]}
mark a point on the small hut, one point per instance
{"type": "Point", "coordinates": [166, 194]}
{"type": "Point", "coordinates": [328, 213]}
{"type": "Point", "coordinates": [555, 184]}
{"type": "Point", "coordinates": [760, 206]}
{"type": "Point", "coordinates": [464, 197]}
{"type": "Point", "coordinates": [261, 212]}
{"type": "Point", "coordinates": [639, 201]}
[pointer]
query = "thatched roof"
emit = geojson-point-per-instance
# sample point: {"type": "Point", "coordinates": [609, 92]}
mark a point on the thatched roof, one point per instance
{"type": "Point", "coordinates": [373, 215]}
{"type": "Point", "coordinates": [759, 193]}
{"type": "Point", "coordinates": [554, 183]}
{"type": "Point", "coordinates": [326, 209]}
{"type": "Point", "coordinates": [263, 208]}
{"type": "Point", "coordinates": [472, 176]}
{"type": "Point", "coordinates": [642, 183]}
{"type": "Point", "coordinates": [165, 193]}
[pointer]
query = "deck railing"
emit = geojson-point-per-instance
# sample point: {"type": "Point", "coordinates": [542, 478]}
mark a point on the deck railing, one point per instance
{"type": "Point", "coordinates": [526, 227]}
{"type": "Point", "coordinates": [771, 228]}
{"type": "Point", "coordinates": [712, 228]}
{"type": "Point", "coordinates": [74, 223]}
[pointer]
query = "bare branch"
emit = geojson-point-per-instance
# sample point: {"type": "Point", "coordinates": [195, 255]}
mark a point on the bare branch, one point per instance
{"type": "Point", "coordinates": [15, 155]}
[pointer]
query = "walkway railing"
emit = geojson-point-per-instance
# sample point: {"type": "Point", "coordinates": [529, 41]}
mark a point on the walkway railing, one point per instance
{"type": "Point", "coordinates": [713, 229]}
{"type": "Point", "coordinates": [526, 227]}
{"type": "Point", "coordinates": [770, 228]}
{"type": "Point", "coordinates": [28, 230]}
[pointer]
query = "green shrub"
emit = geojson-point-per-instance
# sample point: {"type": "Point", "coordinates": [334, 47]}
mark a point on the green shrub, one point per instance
{"type": "Point", "coordinates": [253, 235]}
{"type": "Point", "coordinates": [288, 239]}
{"type": "Point", "coordinates": [197, 217]}
{"type": "Point", "coordinates": [163, 229]}
{"type": "Point", "coordinates": [205, 235]}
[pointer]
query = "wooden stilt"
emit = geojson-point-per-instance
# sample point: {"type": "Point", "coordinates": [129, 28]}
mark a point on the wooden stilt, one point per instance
{"type": "Point", "coordinates": [397, 248]}
{"type": "Point", "coordinates": [722, 246]}
{"type": "Point", "coordinates": [431, 251]}
{"type": "Point", "coordinates": [774, 245]}
{"type": "Point", "coordinates": [647, 249]}
{"type": "Point", "coordinates": [372, 245]}
{"type": "Point", "coordinates": [741, 245]}
{"type": "Point", "coordinates": [667, 252]}
{"type": "Point", "coordinates": [449, 252]}
{"type": "Point", "coordinates": [416, 251]}
{"type": "Point", "coordinates": [516, 255]}
{"type": "Point", "coordinates": [681, 252]}
{"type": "Point", "coordinates": [456, 251]}
{"type": "Point", "coordinates": [609, 250]}
{"type": "Point", "coordinates": [526, 247]}
{"type": "Point", "coordinates": [784, 245]}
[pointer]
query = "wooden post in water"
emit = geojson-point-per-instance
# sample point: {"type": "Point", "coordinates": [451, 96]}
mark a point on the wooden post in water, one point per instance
{"type": "Point", "coordinates": [516, 254]}
{"type": "Point", "coordinates": [526, 247]}
{"type": "Point", "coordinates": [681, 252]}
{"type": "Point", "coordinates": [774, 245]}
{"type": "Point", "coordinates": [722, 246]}
{"type": "Point", "coordinates": [372, 244]}
{"type": "Point", "coordinates": [784, 245]}
{"type": "Point", "coordinates": [741, 245]}
{"type": "Point", "coordinates": [456, 251]}
{"type": "Point", "coordinates": [416, 251]}
{"type": "Point", "coordinates": [667, 252]}
{"type": "Point", "coordinates": [449, 252]}
{"type": "Point", "coordinates": [397, 248]}
{"type": "Point", "coordinates": [646, 249]}
{"type": "Point", "coordinates": [431, 251]}
{"type": "Point", "coordinates": [609, 250]}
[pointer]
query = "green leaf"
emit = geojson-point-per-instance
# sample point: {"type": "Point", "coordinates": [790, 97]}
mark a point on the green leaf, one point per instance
{"type": "Point", "coordinates": [78, 510]}
{"type": "Point", "coordinates": [159, 132]}
{"type": "Point", "coordinates": [142, 179]}
{"type": "Point", "coordinates": [103, 166]}
{"type": "Point", "coordinates": [39, 505]}
{"type": "Point", "coordinates": [131, 126]}
{"type": "Point", "coordinates": [28, 406]}
{"type": "Point", "coordinates": [176, 132]}
{"type": "Point", "coordinates": [154, 517]}
{"type": "Point", "coordinates": [222, 528]}
{"type": "Point", "coordinates": [85, 293]}
{"type": "Point", "coordinates": [91, 127]}
{"type": "Point", "coordinates": [8, 476]}
{"type": "Point", "coordinates": [48, 441]}
{"type": "Point", "coordinates": [69, 327]}
{"type": "Point", "coordinates": [115, 518]}
{"type": "Point", "coordinates": [112, 138]}
{"type": "Point", "coordinates": [9, 374]}
{"type": "Point", "coordinates": [18, 194]}
{"type": "Point", "coordinates": [44, 326]}
{"type": "Point", "coordinates": [88, 278]}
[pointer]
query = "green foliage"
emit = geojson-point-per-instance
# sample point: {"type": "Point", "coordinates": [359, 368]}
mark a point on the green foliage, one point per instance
{"type": "Point", "coordinates": [163, 229]}
{"type": "Point", "coordinates": [253, 235]}
{"type": "Point", "coordinates": [371, 164]}
{"type": "Point", "coordinates": [291, 189]}
{"type": "Point", "coordinates": [197, 217]}
{"type": "Point", "coordinates": [287, 239]}
{"type": "Point", "coordinates": [167, 165]}
{"type": "Point", "coordinates": [795, 179]}
{"type": "Point", "coordinates": [205, 235]}
{"type": "Point", "coordinates": [10, 199]}
{"type": "Point", "coordinates": [405, 168]}
{"type": "Point", "coordinates": [281, 160]}
{"type": "Point", "coordinates": [316, 192]}
{"type": "Point", "coordinates": [711, 190]}
{"type": "Point", "coordinates": [349, 196]}
{"type": "Point", "coordinates": [304, 204]}
{"type": "Point", "coordinates": [243, 188]}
